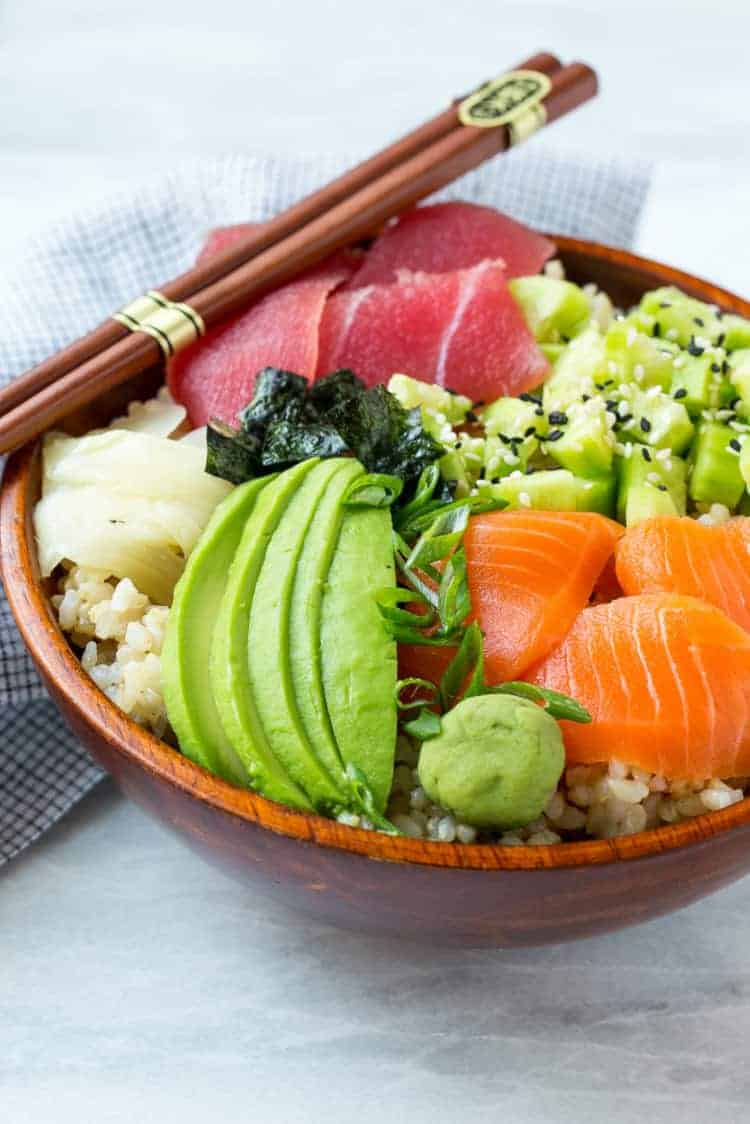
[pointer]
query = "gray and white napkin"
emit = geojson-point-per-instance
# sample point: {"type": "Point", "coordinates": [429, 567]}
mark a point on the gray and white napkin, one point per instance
{"type": "Point", "coordinates": [86, 267]}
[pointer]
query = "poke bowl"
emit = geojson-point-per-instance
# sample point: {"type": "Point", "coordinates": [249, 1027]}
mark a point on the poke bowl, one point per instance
{"type": "Point", "coordinates": [454, 878]}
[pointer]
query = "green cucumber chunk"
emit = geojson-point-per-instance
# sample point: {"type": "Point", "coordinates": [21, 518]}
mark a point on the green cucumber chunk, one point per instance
{"type": "Point", "coordinates": [358, 655]}
{"type": "Point", "coordinates": [581, 439]}
{"type": "Point", "coordinates": [644, 466]}
{"type": "Point", "coordinates": [553, 309]}
{"type": "Point", "coordinates": [644, 501]}
{"type": "Point", "coordinates": [672, 315]}
{"type": "Point", "coordinates": [185, 657]}
{"type": "Point", "coordinates": [229, 672]}
{"type": "Point", "coordinates": [655, 419]}
{"type": "Point", "coordinates": [581, 369]}
{"type": "Point", "coordinates": [716, 475]}
{"type": "Point", "coordinates": [554, 490]}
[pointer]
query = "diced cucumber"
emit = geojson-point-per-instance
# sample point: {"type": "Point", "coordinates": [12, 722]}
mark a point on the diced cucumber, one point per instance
{"type": "Point", "coordinates": [577, 371]}
{"type": "Point", "coordinates": [739, 376]}
{"type": "Point", "coordinates": [644, 501]}
{"type": "Point", "coordinates": [513, 417]}
{"type": "Point", "coordinates": [696, 380]}
{"type": "Point", "coordinates": [716, 475]}
{"type": "Point", "coordinates": [583, 441]}
{"type": "Point", "coordinates": [435, 399]}
{"type": "Point", "coordinates": [554, 310]}
{"type": "Point", "coordinates": [676, 316]}
{"type": "Point", "coordinates": [453, 469]}
{"type": "Point", "coordinates": [554, 490]}
{"type": "Point", "coordinates": [736, 332]}
{"type": "Point", "coordinates": [639, 358]}
{"type": "Point", "coordinates": [552, 351]}
{"type": "Point", "coordinates": [655, 419]}
{"type": "Point", "coordinates": [646, 467]}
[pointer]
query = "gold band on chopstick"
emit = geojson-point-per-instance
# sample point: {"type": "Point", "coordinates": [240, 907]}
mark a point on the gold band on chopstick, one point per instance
{"type": "Point", "coordinates": [171, 323]}
{"type": "Point", "coordinates": [514, 99]}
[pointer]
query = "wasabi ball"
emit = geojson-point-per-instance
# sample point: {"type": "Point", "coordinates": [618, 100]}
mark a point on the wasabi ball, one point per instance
{"type": "Point", "coordinates": [495, 763]}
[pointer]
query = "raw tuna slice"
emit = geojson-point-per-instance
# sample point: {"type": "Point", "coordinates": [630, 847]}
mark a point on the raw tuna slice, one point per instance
{"type": "Point", "coordinates": [448, 236]}
{"type": "Point", "coordinates": [215, 377]}
{"type": "Point", "coordinates": [462, 330]}
{"type": "Point", "coordinates": [224, 236]}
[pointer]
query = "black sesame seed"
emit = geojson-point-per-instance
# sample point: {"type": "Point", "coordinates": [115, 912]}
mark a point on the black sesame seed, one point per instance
{"type": "Point", "coordinates": [693, 348]}
{"type": "Point", "coordinates": [734, 444]}
{"type": "Point", "coordinates": [471, 416]}
{"type": "Point", "coordinates": [526, 397]}
{"type": "Point", "coordinates": [645, 425]}
{"type": "Point", "coordinates": [716, 368]}
{"type": "Point", "coordinates": [565, 339]}
{"type": "Point", "coordinates": [611, 404]}
{"type": "Point", "coordinates": [662, 487]}
{"type": "Point", "coordinates": [681, 393]}
{"type": "Point", "coordinates": [645, 453]}
{"type": "Point", "coordinates": [664, 304]}
{"type": "Point", "coordinates": [585, 397]}
{"type": "Point", "coordinates": [656, 330]}
{"type": "Point", "coordinates": [719, 314]}
{"type": "Point", "coordinates": [530, 431]}
{"type": "Point", "coordinates": [555, 435]}
{"type": "Point", "coordinates": [504, 438]}
{"type": "Point", "coordinates": [725, 367]}
{"type": "Point", "coordinates": [557, 417]}
{"type": "Point", "coordinates": [697, 320]}
{"type": "Point", "coordinates": [539, 412]}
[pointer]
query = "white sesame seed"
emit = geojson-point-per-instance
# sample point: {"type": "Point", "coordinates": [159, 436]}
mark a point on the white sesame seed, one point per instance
{"type": "Point", "coordinates": [524, 499]}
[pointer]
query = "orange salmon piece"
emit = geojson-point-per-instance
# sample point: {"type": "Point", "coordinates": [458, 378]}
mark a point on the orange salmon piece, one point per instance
{"type": "Point", "coordinates": [668, 555]}
{"type": "Point", "coordinates": [666, 679]}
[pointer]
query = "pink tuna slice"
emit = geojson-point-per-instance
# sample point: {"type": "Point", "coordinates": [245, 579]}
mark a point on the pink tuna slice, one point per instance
{"type": "Point", "coordinates": [461, 330]}
{"type": "Point", "coordinates": [215, 376]}
{"type": "Point", "coordinates": [447, 236]}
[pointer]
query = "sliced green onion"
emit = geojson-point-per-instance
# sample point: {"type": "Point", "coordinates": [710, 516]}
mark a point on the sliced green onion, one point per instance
{"type": "Point", "coordinates": [441, 537]}
{"type": "Point", "coordinates": [414, 683]}
{"type": "Point", "coordinates": [556, 704]}
{"type": "Point", "coordinates": [467, 661]}
{"type": "Point", "coordinates": [374, 489]}
{"type": "Point", "coordinates": [454, 599]}
{"type": "Point", "coordinates": [426, 725]}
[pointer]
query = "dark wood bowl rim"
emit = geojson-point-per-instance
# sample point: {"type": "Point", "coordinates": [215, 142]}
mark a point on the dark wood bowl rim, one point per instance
{"type": "Point", "coordinates": [61, 667]}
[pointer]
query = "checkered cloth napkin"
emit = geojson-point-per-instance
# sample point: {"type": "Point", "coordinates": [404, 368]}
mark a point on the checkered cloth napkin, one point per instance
{"type": "Point", "coordinates": [88, 266]}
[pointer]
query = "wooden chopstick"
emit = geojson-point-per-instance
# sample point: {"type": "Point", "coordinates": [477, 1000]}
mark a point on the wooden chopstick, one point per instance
{"type": "Point", "coordinates": [185, 286]}
{"type": "Point", "coordinates": [356, 216]}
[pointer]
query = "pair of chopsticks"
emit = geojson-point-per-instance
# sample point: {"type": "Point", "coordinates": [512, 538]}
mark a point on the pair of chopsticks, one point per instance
{"type": "Point", "coordinates": [350, 208]}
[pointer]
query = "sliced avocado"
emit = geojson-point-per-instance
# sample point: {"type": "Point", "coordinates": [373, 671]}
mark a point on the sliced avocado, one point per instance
{"type": "Point", "coordinates": [673, 315]}
{"type": "Point", "coordinates": [655, 419]}
{"type": "Point", "coordinates": [553, 490]}
{"type": "Point", "coordinates": [358, 655]}
{"type": "Point", "coordinates": [582, 439]}
{"type": "Point", "coordinates": [581, 369]}
{"type": "Point", "coordinates": [644, 466]}
{"type": "Point", "coordinates": [644, 501]}
{"type": "Point", "coordinates": [228, 667]}
{"type": "Point", "coordinates": [313, 565]}
{"type": "Point", "coordinates": [638, 357]}
{"type": "Point", "coordinates": [270, 640]}
{"type": "Point", "coordinates": [716, 476]}
{"type": "Point", "coordinates": [187, 643]}
{"type": "Point", "coordinates": [553, 309]}
{"type": "Point", "coordinates": [696, 380]}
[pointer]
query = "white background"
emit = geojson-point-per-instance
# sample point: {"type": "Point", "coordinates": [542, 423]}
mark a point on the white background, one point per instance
{"type": "Point", "coordinates": [138, 985]}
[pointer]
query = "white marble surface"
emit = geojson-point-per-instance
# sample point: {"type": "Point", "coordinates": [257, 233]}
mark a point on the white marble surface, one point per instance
{"type": "Point", "coordinates": [138, 985]}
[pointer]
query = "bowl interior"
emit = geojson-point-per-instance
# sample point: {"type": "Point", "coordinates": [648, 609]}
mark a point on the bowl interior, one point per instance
{"type": "Point", "coordinates": [625, 277]}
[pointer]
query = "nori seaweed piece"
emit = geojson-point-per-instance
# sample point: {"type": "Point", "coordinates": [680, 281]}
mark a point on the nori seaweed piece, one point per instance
{"type": "Point", "coordinates": [287, 442]}
{"type": "Point", "coordinates": [230, 453]}
{"type": "Point", "coordinates": [274, 392]}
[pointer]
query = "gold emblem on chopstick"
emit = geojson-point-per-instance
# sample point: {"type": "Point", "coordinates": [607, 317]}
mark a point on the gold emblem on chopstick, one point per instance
{"type": "Point", "coordinates": [514, 100]}
{"type": "Point", "coordinates": [171, 323]}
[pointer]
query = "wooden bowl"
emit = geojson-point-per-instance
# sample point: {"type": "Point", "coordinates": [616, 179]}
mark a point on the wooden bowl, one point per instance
{"type": "Point", "coordinates": [470, 895]}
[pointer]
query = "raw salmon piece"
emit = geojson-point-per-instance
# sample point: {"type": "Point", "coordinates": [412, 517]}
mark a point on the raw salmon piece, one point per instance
{"type": "Point", "coordinates": [530, 573]}
{"type": "Point", "coordinates": [666, 679]}
{"type": "Point", "coordinates": [443, 237]}
{"type": "Point", "coordinates": [667, 555]}
{"type": "Point", "coordinates": [462, 330]}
